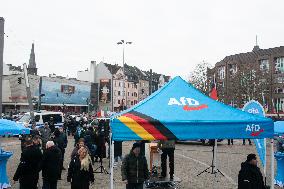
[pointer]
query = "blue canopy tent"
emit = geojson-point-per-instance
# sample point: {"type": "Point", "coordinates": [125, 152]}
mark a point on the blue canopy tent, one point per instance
{"type": "Point", "coordinates": [279, 127]}
{"type": "Point", "coordinates": [8, 128]}
{"type": "Point", "coordinates": [179, 111]}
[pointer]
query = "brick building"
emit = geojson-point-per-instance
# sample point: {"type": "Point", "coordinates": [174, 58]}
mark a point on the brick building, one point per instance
{"type": "Point", "coordinates": [257, 75]}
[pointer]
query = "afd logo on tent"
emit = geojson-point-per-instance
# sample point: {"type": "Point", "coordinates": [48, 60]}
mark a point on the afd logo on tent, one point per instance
{"type": "Point", "coordinates": [254, 129]}
{"type": "Point", "coordinates": [188, 104]}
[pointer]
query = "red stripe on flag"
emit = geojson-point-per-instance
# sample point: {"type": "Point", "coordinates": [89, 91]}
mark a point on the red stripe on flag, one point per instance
{"type": "Point", "coordinates": [147, 126]}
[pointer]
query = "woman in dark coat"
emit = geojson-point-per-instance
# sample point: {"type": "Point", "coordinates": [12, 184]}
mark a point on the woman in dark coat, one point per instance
{"type": "Point", "coordinates": [80, 171]}
{"type": "Point", "coordinates": [29, 167]}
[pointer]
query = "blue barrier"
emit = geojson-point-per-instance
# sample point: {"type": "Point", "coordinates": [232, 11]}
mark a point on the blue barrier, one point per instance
{"type": "Point", "coordinates": [4, 181]}
{"type": "Point", "coordinates": [279, 180]}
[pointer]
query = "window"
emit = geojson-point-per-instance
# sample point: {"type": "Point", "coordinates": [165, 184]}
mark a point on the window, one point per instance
{"type": "Point", "coordinates": [37, 117]}
{"type": "Point", "coordinates": [264, 65]}
{"type": "Point", "coordinates": [128, 85]}
{"type": "Point", "coordinates": [278, 104]}
{"type": "Point", "coordinates": [221, 72]}
{"type": "Point", "coordinates": [119, 84]}
{"type": "Point", "coordinates": [279, 90]}
{"type": "Point", "coordinates": [118, 101]}
{"type": "Point", "coordinates": [232, 69]}
{"type": "Point", "coordinates": [279, 65]}
{"type": "Point", "coordinates": [131, 102]}
{"type": "Point", "coordinates": [25, 118]}
{"type": "Point", "coordinates": [279, 80]}
{"type": "Point", "coordinates": [118, 93]}
{"type": "Point", "coordinates": [56, 117]}
{"type": "Point", "coordinates": [128, 94]}
{"type": "Point", "coordinates": [221, 84]}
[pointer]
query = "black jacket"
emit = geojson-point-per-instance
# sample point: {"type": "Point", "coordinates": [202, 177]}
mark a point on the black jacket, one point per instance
{"type": "Point", "coordinates": [134, 169]}
{"type": "Point", "coordinates": [59, 142]}
{"type": "Point", "coordinates": [29, 166]}
{"type": "Point", "coordinates": [250, 177]}
{"type": "Point", "coordinates": [80, 179]}
{"type": "Point", "coordinates": [51, 166]}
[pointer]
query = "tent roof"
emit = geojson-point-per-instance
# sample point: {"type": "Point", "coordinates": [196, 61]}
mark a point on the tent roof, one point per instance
{"type": "Point", "coordinates": [8, 127]}
{"type": "Point", "coordinates": [179, 111]}
{"type": "Point", "coordinates": [279, 127]}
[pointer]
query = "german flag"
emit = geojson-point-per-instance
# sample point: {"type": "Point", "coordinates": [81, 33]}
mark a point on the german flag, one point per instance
{"type": "Point", "coordinates": [146, 127]}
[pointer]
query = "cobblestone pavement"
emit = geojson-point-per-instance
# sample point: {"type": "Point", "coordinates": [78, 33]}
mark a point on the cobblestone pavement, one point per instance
{"type": "Point", "coordinates": [190, 159]}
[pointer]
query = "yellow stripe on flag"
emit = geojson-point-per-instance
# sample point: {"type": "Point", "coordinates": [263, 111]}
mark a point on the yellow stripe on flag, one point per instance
{"type": "Point", "coordinates": [136, 128]}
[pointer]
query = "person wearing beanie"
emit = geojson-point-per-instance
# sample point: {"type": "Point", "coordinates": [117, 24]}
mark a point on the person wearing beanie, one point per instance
{"type": "Point", "coordinates": [134, 169]}
{"type": "Point", "coordinates": [250, 176]}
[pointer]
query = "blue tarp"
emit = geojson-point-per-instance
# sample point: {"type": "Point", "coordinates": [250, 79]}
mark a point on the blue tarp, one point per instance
{"type": "Point", "coordinates": [8, 127]}
{"type": "Point", "coordinates": [179, 111]}
{"type": "Point", "coordinates": [279, 127]}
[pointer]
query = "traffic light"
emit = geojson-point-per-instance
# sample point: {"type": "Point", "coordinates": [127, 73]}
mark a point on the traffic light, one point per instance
{"type": "Point", "coordinates": [19, 80]}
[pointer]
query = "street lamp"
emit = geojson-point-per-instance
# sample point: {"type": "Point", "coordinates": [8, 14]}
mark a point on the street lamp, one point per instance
{"type": "Point", "coordinates": [123, 43]}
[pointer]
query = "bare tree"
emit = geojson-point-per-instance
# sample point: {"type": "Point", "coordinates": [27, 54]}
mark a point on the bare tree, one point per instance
{"type": "Point", "coordinates": [198, 77]}
{"type": "Point", "coordinates": [249, 82]}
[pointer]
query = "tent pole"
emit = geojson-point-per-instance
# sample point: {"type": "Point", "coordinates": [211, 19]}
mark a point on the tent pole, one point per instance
{"type": "Point", "coordinates": [265, 164]}
{"type": "Point", "coordinates": [272, 163]}
{"type": "Point", "coordinates": [111, 161]}
{"type": "Point", "coordinates": [214, 156]}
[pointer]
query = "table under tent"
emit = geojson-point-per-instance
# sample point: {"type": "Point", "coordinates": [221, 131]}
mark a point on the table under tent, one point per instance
{"type": "Point", "coordinates": [178, 111]}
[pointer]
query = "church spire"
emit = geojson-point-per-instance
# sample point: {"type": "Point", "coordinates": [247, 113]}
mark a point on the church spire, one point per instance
{"type": "Point", "coordinates": [32, 63]}
{"type": "Point", "coordinates": [256, 47]}
{"type": "Point", "coordinates": [32, 69]}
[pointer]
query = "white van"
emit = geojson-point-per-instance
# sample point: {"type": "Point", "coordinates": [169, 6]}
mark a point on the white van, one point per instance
{"type": "Point", "coordinates": [41, 117]}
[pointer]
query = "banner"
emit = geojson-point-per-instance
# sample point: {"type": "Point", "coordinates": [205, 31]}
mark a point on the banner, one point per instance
{"type": "Point", "coordinates": [255, 107]}
{"type": "Point", "coordinates": [105, 91]}
{"type": "Point", "coordinates": [64, 92]}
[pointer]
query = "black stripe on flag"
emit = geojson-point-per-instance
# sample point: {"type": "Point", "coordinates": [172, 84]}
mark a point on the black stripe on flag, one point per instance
{"type": "Point", "coordinates": [158, 125]}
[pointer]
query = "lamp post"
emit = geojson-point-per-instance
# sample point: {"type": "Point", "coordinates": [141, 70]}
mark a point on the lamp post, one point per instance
{"type": "Point", "coordinates": [124, 100]}
{"type": "Point", "coordinates": [2, 20]}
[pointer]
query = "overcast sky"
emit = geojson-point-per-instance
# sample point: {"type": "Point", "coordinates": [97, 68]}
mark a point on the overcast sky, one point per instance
{"type": "Point", "coordinates": [170, 37]}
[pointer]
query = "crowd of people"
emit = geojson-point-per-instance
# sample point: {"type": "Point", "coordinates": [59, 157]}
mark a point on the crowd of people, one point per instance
{"type": "Point", "coordinates": [44, 148]}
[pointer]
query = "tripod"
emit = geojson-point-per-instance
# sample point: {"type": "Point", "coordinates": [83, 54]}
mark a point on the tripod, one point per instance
{"type": "Point", "coordinates": [101, 151]}
{"type": "Point", "coordinates": [101, 168]}
{"type": "Point", "coordinates": [213, 168]}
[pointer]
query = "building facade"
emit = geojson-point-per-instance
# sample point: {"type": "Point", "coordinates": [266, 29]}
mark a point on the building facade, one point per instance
{"type": "Point", "coordinates": [60, 94]}
{"type": "Point", "coordinates": [257, 75]}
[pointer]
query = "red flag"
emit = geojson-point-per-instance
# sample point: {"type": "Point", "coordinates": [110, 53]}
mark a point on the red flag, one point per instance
{"type": "Point", "coordinates": [99, 114]}
{"type": "Point", "coordinates": [213, 93]}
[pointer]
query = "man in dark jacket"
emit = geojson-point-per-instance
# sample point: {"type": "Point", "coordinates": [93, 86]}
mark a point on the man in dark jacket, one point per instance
{"type": "Point", "coordinates": [59, 142]}
{"type": "Point", "coordinates": [134, 169]}
{"type": "Point", "coordinates": [51, 124]}
{"type": "Point", "coordinates": [250, 176]}
{"type": "Point", "coordinates": [65, 140]}
{"type": "Point", "coordinates": [45, 133]}
{"type": "Point", "coordinates": [28, 170]}
{"type": "Point", "coordinates": [51, 166]}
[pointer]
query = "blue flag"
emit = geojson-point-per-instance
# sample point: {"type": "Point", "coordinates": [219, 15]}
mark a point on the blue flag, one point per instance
{"type": "Point", "coordinates": [255, 107]}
